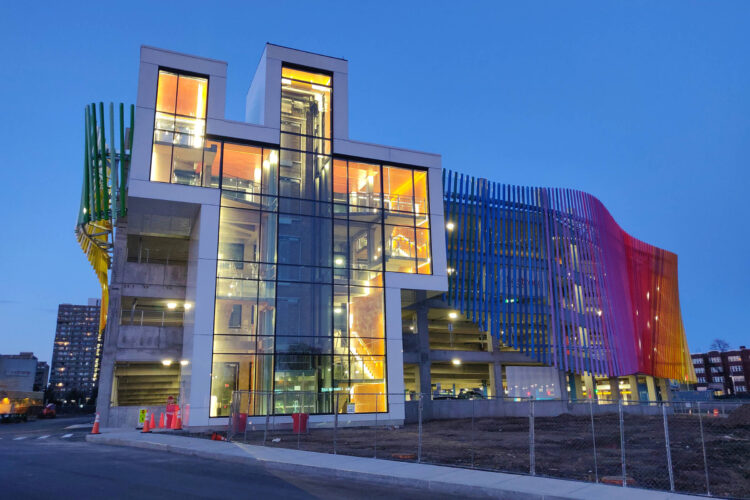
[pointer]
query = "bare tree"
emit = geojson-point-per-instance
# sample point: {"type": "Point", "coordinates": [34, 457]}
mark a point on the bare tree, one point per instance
{"type": "Point", "coordinates": [720, 345]}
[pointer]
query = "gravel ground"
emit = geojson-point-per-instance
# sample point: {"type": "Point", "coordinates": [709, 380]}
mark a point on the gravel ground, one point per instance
{"type": "Point", "coordinates": [563, 447]}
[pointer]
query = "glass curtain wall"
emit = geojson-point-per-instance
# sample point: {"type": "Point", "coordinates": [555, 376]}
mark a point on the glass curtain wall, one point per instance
{"type": "Point", "coordinates": [304, 240]}
{"type": "Point", "coordinates": [179, 154]}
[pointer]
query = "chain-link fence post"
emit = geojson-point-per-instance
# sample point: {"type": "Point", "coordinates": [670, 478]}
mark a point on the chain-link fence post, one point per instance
{"type": "Point", "coordinates": [268, 417]}
{"type": "Point", "coordinates": [703, 445]}
{"type": "Point", "coordinates": [622, 448]}
{"type": "Point", "coordinates": [335, 422]}
{"type": "Point", "coordinates": [247, 415]}
{"type": "Point", "coordinates": [419, 437]}
{"type": "Point", "coordinates": [669, 451]}
{"type": "Point", "coordinates": [472, 432]}
{"type": "Point", "coordinates": [593, 440]}
{"type": "Point", "coordinates": [532, 459]}
{"type": "Point", "coordinates": [375, 455]}
{"type": "Point", "coordinates": [233, 406]}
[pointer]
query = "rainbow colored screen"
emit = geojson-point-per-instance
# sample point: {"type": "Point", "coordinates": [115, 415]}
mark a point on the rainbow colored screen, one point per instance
{"type": "Point", "coordinates": [549, 272]}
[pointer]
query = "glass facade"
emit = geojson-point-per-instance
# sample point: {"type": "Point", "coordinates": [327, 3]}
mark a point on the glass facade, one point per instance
{"type": "Point", "coordinates": [304, 240]}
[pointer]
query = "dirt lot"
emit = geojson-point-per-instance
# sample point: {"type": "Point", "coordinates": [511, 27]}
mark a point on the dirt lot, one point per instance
{"type": "Point", "coordinates": [564, 447]}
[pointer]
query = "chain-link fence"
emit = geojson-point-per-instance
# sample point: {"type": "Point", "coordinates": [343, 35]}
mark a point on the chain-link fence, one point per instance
{"type": "Point", "coordinates": [691, 447]}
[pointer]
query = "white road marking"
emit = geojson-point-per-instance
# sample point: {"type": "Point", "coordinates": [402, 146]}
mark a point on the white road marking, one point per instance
{"type": "Point", "coordinates": [79, 426]}
{"type": "Point", "coordinates": [43, 437]}
{"type": "Point", "coordinates": [66, 435]}
{"type": "Point", "coordinates": [19, 438]}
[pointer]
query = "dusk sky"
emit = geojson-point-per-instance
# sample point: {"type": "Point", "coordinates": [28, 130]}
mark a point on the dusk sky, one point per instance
{"type": "Point", "coordinates": [645, 105]}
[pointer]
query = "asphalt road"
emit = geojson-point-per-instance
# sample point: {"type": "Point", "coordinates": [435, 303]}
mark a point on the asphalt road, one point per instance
{"type": "Point", "coordinates": [43, 459]}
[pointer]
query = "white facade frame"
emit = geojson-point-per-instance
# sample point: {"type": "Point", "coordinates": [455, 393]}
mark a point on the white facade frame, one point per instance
{"type": "Point", "coordinates": [263, 109]}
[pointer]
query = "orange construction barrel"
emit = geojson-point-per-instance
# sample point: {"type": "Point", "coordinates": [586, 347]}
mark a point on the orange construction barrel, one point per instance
{"type": "Point", "coordinates": [299, 422]}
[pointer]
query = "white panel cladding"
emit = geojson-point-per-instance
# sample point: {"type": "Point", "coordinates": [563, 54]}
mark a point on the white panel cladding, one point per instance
{"type": "Point", "coordinates": [200, 293]}
{"type": "Point", "coordinates": [394, 352]}
{"type": "Point", "coordinates": [184, 62]}
{"type": "Point", "coordinates": [255, 100]}
{"type": "Point", "coordinates": [140, 162]}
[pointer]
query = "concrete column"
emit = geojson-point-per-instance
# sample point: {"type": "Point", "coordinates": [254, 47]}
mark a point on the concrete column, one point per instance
{"type": "Point", "coordinates": [651, 388]}
{"type": "Point", "coordinates": [197, 340]}
{"type": "Point", "coordinates": [394, 350]}
{"type": "Point", "coordinates": [112, 329]}
{"type": "Point", "coordinates": [614, 388]}
{"type": "Point", "coordinates": [576, 383]}
{"type": "Point", "coordinates": [565, 394]}
{"type": "Point", "coordinates": [423, 331]}
{"type": "Point", "coordinates": [664, 388]}
{"type": "Point", "coordinates": [590, 385]}
{"type": "Point", "coordinates": [634, 394]}
{"type": "Point", "coordinates": [496, 377]}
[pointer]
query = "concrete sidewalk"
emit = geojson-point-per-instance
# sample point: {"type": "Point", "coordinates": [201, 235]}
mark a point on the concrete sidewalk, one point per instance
{"type": "Point", "coordinates": [451, 480]}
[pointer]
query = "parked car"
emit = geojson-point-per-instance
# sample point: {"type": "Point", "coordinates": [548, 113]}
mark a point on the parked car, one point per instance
{"type": "Point", "coordinates": [49, 411]}
{"type": "Point", "coordinates": [470, 394]}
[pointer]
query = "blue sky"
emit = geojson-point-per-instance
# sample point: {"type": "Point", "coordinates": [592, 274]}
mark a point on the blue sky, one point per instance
{"type": "Point", "coordinates": [643, 104]}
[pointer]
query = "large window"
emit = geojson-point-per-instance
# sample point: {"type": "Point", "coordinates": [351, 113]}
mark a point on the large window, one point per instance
{"type": "Point", "coordinates": [304, 240]}
{"type": "Point", "coordinates": [180, 154]}
{"type": "Point", "coordinates": [393, 196]}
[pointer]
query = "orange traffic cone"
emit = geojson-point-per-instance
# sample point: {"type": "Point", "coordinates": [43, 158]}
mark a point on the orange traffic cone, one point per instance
{"type": "Point", "coordinates": [145, 424]}
{"type": "Point", "coordinates": [161, 421]}
{"type": "Point", "coordinates": [176, 421]}
{"type": "Point", "coordinates": [152, 423]}
{"type": "Point", "coordinates": [95, 429]}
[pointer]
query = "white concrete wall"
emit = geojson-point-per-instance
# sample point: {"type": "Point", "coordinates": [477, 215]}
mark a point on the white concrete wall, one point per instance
{"type": "Point", "coordinates": [197, 345]}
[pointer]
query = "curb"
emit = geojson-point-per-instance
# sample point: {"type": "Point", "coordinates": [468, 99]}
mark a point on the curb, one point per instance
{"type": "Point", "coordinates": [496, 489]}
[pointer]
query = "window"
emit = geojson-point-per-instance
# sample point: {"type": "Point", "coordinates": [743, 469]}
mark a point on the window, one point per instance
{"type": "Point", "coordinates": [700, 370]}
{"type": "Point", "coordinates": [306, 103]}
{"type": "Point", "coordinates": [702, 379]}
{"type": "Point", "coordinates": [735, 369]}
{"type": "Point", "coordinates": [734, 359]}
{"type": "Point", "coordinates": [698, 361]}
{"type": "Point", "coordinates": [364, 187]}
{"type": "Point", "coordinates": [715, 359]}
{"type": "Point", "coordinates": [740, 388]}
{"type": "Point", "coordinates": [179, 154]}
{"type": "Point", "coordinates": [717, 369]}
{"type": "Point", "coordinates": [738, 378]}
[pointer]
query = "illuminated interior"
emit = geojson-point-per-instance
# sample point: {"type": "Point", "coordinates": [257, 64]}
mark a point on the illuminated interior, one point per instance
{"type": "Point", "coordinates": [178, 154]}
{"type": "Point", "coordinates": [304, 240]}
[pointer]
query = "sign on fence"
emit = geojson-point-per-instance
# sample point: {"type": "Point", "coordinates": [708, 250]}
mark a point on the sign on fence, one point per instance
{"type": "Point", "coordinates": [141, 417]}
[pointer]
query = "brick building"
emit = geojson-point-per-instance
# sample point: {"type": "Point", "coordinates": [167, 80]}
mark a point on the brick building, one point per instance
{"type": "Point", "coordinates": [723, 372]}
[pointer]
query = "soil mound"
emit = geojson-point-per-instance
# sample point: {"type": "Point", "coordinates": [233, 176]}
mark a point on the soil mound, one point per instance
{"type": "Point", "coordinates": [740, 416]}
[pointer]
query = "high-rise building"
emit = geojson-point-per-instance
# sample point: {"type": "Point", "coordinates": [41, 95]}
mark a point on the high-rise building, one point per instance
{"type": "Point", "coordinates": [315, 273]}
{"type": "Point", "coordinates": [726, 372]}
{"type": "Point", "coordinates": [75, 354]}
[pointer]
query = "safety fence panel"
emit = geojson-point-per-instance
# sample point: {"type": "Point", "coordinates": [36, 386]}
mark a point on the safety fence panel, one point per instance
{"type": "Point", "coordinates": [687, 447]}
